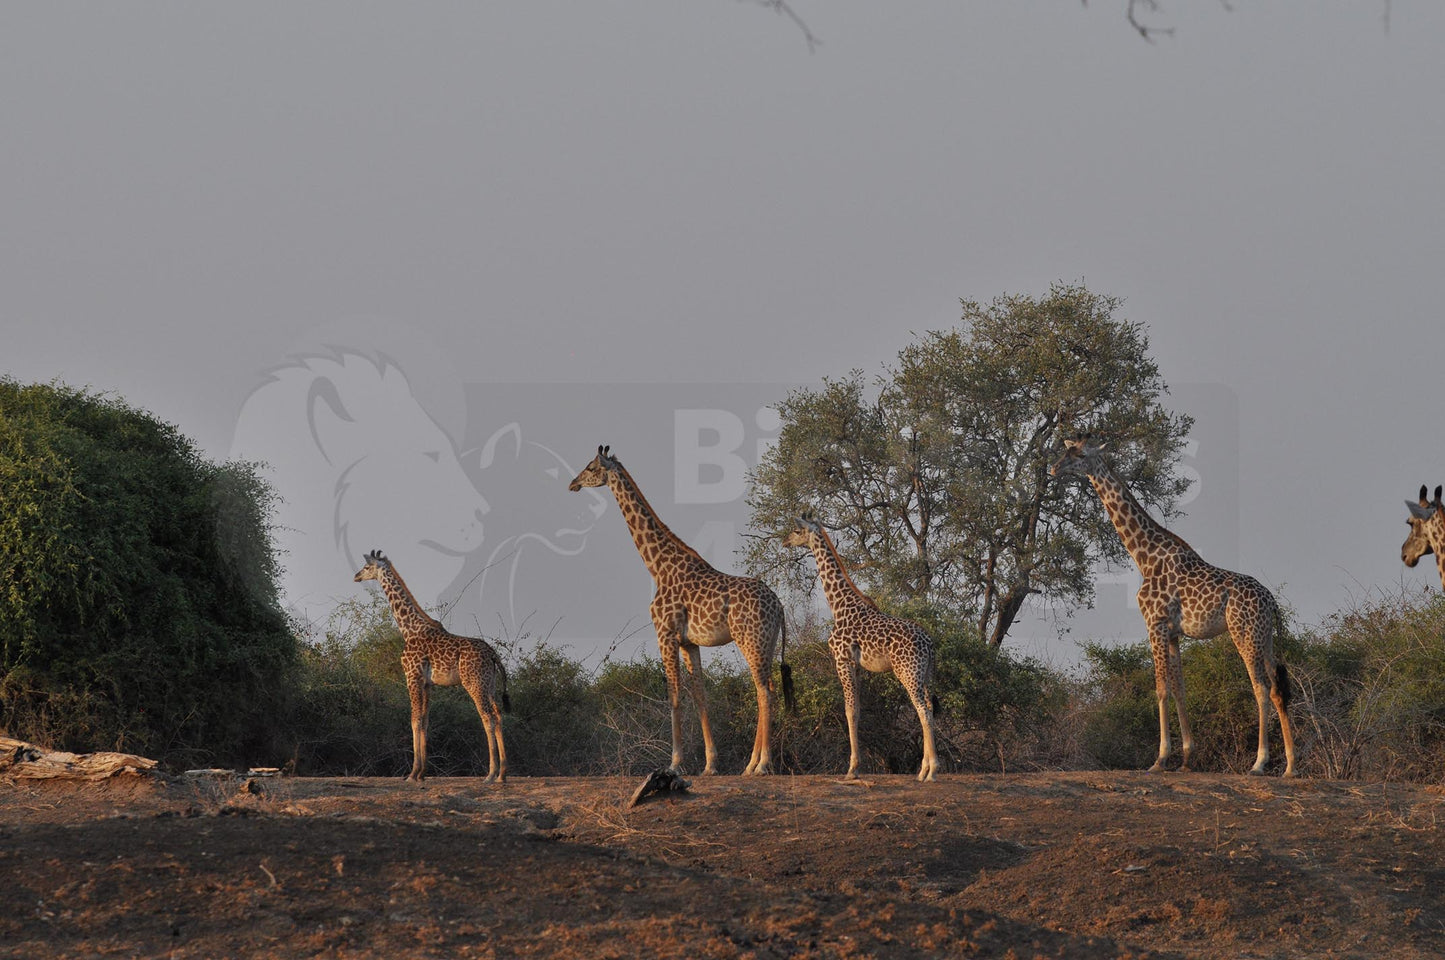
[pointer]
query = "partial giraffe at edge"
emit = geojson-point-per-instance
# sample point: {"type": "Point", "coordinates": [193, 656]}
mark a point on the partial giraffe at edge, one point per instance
{"type": "Point", "coordinates": [695, 605]}
{"type": "Point", "coordinates": [865, 636]}
{"type": "Point", "coordinates": [1427, 531]}
{"type": "Point", "coordinates": [433, 656]}
{"type": "Point", "coordinates": [1183, 596]}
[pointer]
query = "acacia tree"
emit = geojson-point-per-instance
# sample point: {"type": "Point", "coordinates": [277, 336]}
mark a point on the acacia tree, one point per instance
{"type": "Point", "coordinates": [934, 477]}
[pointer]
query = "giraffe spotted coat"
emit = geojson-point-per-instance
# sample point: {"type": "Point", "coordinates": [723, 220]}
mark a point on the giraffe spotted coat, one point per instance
{"type": "Point", "coordinates": [865, 636]}
{"type": "Point", "coordinates": [1183, 596]}
{"type": "Point", "coordinates": [695, 605]}
{"type": "Point", "coordinates": [433, 656]}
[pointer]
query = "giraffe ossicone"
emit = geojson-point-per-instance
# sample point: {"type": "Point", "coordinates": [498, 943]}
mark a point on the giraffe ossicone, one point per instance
{"type": "Point", "coordinates": [432, 656]}
{"type": "Point", "coordinates": [1183, 596]}
{"type": "Point", "coordinates": [695, 606]}
{"type": "Point", "coordinates": [865, 636]}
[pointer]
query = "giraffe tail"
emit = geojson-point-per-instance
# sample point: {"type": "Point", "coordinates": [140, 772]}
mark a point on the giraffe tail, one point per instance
{"type": "Point", "coordinates": [789, 703]}
{"type": "Point", "coordinates": [506, 697]}
{"type": "Point", "coordinates": [1281, 674]}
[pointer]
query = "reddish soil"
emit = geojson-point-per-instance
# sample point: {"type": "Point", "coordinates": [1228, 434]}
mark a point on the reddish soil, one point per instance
{"type": "Point", "coordinates": [1037, 865]}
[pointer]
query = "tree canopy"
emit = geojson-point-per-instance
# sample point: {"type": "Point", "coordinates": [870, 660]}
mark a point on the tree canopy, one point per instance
{"type": "Point", "coordinates": [934, 474]}
{"type": "Point", "coordinates": [138, 605]}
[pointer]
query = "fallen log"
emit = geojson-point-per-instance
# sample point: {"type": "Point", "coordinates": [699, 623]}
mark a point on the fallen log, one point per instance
{"type": "Point", "coordinates": [26, 761]}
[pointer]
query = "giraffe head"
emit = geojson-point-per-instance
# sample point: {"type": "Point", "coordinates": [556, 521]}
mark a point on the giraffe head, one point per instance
{"type": "Point", "coordinates": [804, 529]}
{"type": "Point", "coordinates": [375, 563]}
{"type": "Point", "coordinates": [1082, 458]}
{"type": "Point", "coordinates": [1417, 544]}
{"type": "Point", "coordinates": [595, 473]}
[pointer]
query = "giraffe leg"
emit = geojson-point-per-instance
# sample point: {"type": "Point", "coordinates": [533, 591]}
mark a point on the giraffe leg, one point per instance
{"type": "Point", "coordinates": [669, 650]}
{"type": "Point", "coordinates": [1279, 693]}
{"type": "Point", "coordinates": [491, 725]}
{"type": "Point", "coordinates": [918, 693]}
{"type": "Point", "coordinates": [699, 696]}
{"type": "Point", "coordinates": [1159, 646]}
{"type": "Point", "coordinates": [762, 758]}
{"type": "Point", "coordinates": [497, 726]}
{"type": "Point", "coordinates": [1176, 689]}
{"type": "Point", "coordinates": [417, 689]}
{"type": "Point", "coordinates": [845, 658]}
{"type": "Point", "coordinates": [1261, 701]}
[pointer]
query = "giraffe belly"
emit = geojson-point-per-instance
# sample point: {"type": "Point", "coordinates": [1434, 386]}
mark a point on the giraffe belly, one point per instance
{"type": "Point", "coordinates": [707, 634]}
{"type": "Point", "coordinates": [875, 662]}
{"type": "Point", "coordinates": [447, 676]}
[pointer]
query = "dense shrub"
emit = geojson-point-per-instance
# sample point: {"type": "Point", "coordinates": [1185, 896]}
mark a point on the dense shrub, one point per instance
{"type": "Point", "coordinates": [137, 585]}
{"type": "Point", "coordinates": [1371, 690]}
{"type": "Point", "coordinates": [1368, 686]}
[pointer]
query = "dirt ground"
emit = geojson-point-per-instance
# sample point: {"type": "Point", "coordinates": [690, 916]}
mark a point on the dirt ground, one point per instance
{"type": "Point", "coordinates": [1033, 865]}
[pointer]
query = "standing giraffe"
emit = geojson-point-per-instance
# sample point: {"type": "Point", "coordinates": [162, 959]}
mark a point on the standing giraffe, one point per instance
{"type": "Point", "coordinates": [694, 606]}
{"type": "Point", "coordinates": [433, 656]}
{"type": "Point", "coordinates": [864, 635]}
{"type": "Point", "coordinates": [1183, 596]}
{"type": "Point", "coordinates": [1427, 532]}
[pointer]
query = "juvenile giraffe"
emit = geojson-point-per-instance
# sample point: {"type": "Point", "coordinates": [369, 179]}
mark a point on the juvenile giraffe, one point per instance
{"type": "Point", "coordinates": [1183, 596]}
{"type": "Point", "coordinates": [1427, 532]}
{"type": "Point", "coordinates": [696, 606]}
{"type": "Point", "coordinates": [433, 656]}
{"type": "Point", "coordinates": [864, 635]}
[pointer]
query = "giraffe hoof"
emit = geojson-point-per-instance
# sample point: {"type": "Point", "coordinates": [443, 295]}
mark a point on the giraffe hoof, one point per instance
{"type": "Point", "coordinates": [1185, 768]}
{"type": "Point", "coordinates": [1289, 774]}
{"type": "Point", "coordinates": [1255, 772]}
{"type": "Point", "coordinates": [1158, 767]}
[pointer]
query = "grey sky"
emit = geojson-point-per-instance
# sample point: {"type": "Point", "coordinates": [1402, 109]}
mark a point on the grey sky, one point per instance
{"type": "Point", "coordinates": [647, 192]}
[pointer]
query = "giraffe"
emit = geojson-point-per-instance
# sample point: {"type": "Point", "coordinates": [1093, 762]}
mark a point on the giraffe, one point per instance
{"type": "Point", "coordinates": [864, 635]}
{"type": "Point", "coordinates": [433, 656]}
{"type": "Point", "coordinates": [1183, 596]}
{"type": "Point", "coordinates": [694, 606]}
{"type": "Point", "coordinates": [1427, 532]}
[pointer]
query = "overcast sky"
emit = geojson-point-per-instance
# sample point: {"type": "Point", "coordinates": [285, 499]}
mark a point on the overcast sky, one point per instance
{"type": "Point", "coordinates": [516, 200]}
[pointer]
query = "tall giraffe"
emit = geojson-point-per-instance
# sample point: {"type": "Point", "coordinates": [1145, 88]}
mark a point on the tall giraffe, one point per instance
{"type": "Point", "coordinates": [433, 656]}
{"type": "Point", "coordinates": [1183, 596]}
{"type": "Point", "coordinates": [694, 606]}
{"type": "Point", "coordinates": [864, 635]}
{"type": "Point", "coordinates": [1427, 532]}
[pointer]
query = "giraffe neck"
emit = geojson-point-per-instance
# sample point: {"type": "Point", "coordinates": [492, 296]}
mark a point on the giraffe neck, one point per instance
{"type": "Point", "coordinates": [842, 593]}
{"type": "Point", "coordinates": [1147, 540]}
{"type": "Point", "coordinates": [409, 614]}
{"type": "Point", "coordinates": [1435, 533]}
{"type": "Point", "coordinates": [655, 543]}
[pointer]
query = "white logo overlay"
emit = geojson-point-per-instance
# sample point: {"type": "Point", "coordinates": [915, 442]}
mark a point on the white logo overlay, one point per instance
{"type": "Point", "coordinates": [479, 520]}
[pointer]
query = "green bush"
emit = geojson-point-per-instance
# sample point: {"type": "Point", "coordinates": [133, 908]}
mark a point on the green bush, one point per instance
{"type": "Point", "coordinates": [1370, 685]}
{"type": "Point", "coordinates": [138, 609]}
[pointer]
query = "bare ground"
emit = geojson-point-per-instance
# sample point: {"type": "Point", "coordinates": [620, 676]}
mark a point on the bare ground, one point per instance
{"type": "Point", "coordinates": [1036, 865]}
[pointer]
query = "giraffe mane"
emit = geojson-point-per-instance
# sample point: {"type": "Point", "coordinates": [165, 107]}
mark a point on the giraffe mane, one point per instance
{"type": "Point", "coordinates": [390, 568]}
{"type": "Point", "coordinates": [1134, 501]}
{"type": "Point", "coordinates": [662, 528]}
{"type": "Point", "coordinates": [848, 579]}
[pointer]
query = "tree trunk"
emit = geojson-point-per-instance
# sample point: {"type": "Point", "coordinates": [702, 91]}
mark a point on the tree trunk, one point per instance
{"type": "Point", "coordinates": [1008, 609]}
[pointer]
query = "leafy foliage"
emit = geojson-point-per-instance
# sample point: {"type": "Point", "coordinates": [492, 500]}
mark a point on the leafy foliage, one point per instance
{"type": "Point", "coordinates": [936, 481]}
{"type": "Point", "coordinates": [139, 604]}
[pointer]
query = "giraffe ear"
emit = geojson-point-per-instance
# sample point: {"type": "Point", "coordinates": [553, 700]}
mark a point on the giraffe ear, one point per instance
{"type": "Point", "coordinates": [1419, 511]}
